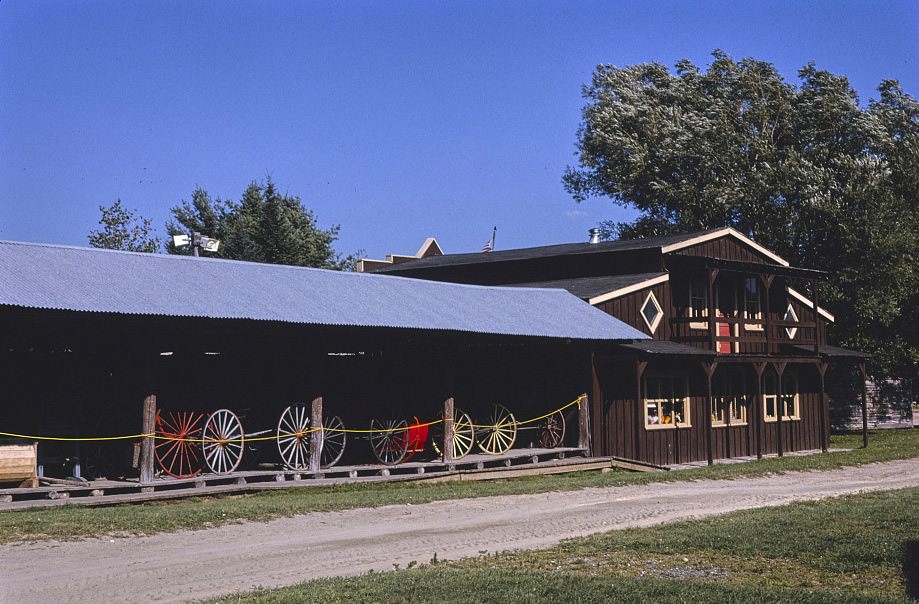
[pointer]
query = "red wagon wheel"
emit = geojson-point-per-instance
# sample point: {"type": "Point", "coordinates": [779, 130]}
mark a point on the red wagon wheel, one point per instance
{"type": "Point", "coordinates": [178, 447]}
{"type": "Point", "coordinates": [389, 439]}
{"type": "Point", "coordinates": [552, 431]}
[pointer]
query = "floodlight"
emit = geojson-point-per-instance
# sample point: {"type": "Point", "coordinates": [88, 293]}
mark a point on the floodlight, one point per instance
{"type": "Point", "coordinates": [180, 240]}
{"type": "Point", "coordinates": [210, 245]}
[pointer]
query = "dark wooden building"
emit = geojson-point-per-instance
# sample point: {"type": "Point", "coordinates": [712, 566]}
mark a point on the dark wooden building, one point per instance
{"type": "Point", "coordinates": [738, 359]}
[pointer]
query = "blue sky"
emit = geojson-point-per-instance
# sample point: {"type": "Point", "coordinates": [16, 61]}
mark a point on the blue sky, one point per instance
{"type": "Point", "coordinates": [397, 120]}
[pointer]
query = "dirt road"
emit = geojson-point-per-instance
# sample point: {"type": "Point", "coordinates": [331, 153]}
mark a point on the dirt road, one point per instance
{"type": "Point", "coordinates": [197, 564]}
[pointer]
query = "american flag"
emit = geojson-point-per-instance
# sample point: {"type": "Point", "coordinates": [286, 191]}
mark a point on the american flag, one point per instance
{"type": "Point", "coordinates": [490, 244]}
{"type": "Point", "coordinates": [487, 246]}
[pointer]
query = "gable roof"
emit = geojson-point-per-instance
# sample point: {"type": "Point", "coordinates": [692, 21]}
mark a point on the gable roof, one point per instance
{"type": "Point", "coordinates": [600, 289]}
{"type": "Point", "coordinates": [666, 244]}
{"type": "Point", "coordinates": [91, 280]}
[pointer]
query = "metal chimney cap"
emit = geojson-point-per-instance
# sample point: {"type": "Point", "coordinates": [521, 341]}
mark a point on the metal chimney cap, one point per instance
{"type": "Point", "coordinates": [594, 235]}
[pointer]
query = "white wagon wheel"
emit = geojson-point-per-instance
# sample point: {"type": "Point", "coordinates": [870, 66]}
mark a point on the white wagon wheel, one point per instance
{"type": "Point", "coordinates": [499, 434]}
{"type": "Point", "coordinates": [294, 437]}
{"type": "Point", "coordinates": [389, 440]}
{"type": "Point", "coordinates": [223, 441]}
{"type": "Point", "coordinates": [463, 435]}
{"type": "Point", "coordinates": [334, 439]}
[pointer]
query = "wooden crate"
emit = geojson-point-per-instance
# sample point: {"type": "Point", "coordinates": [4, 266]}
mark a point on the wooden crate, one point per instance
{"type": "Point", "coordinates": [18, 464]}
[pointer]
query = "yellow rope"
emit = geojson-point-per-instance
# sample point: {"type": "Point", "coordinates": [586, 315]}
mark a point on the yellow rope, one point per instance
{"type": "Point", "coordinates": [576, 401]}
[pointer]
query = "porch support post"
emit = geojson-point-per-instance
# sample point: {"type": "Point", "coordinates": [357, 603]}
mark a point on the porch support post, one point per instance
{"type": "Point", "coordinates": [639, 411]}
{"type": "Point", "coordinates": [712, 275]}
{"type": "Point", "coordinates": [709, 368]}
{"type": "Point", "coordinates": [148, 423]}
{"type": "Point", "coordinates": [863, 371]}
{"type": "Point", "coordinates": [447, 444]}
{"type": "Point", "coordinates": [584, 424]}
{"type": "Point", "coordinates": [816, 318]}
{"type": "Point", "coordinates": [316, 436]}
{"type": "Point", "coordinates": [148, 443]}
{"type": "Point", "coordinates": [824, 408]}
{"type": "Point", "coordinates": [759, 368]}
{"type": "Point", "coordinates": [447, 452]}
{"type": "Point", "coordinates": [780, 405]}
{"type": "Point", "coordinates": [767, 314]}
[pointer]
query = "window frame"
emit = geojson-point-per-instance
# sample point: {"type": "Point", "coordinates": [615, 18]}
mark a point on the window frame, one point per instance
{"type": "Point", "coordinates": [661, 401]}
{"type": "Point", "coordinates": [790, 379]}
{"type": "Point", "coordinates": [739, 401]}
{"type": "Point", "coordinates": [791, 331]}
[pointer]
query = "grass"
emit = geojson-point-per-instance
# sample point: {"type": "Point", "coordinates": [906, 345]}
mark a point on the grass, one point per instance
{"type": "Point", "coordinates": [74, 522]}
{"type": "Point", "coordinates": [849, 549]}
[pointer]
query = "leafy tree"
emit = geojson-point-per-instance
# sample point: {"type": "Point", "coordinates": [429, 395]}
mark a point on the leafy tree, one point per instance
{"type": "Point", "coordinates": [123, 229]}
{"type": "Point", "coordinates": [264, 226]}
{"type": "Point", "coordinates": [804, 169]}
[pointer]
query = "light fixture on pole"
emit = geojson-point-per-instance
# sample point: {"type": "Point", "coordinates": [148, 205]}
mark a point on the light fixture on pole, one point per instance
{"type": "Point", "coordinates": [198, 242]}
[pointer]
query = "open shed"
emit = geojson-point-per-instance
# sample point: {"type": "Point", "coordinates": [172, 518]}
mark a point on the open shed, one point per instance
{"type": "Point", "coordinates": [89, 335]}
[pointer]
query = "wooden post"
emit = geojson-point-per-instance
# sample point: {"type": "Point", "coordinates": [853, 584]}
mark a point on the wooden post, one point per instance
{"type": "Point", "coordinates": [639, 411]}
{"type": "Point", "coordinates": [316, 436]}
{"type": "Point", "coordinates": [759, 368]}
{"type": "Point", "coordinates": [447, 444]}
{"type": "Point", "coordinates": [712, 275]}
{"type": "Point", "coordinates": [709, 369]}
{"type": "Point", "coordinates": [584, 424]}
{"type": "Point", "coordinates": [779, 405]}
{"type": "Point", "coordinates": [816, 318]}
{"type": "Point", "coordinates": [148, 444]}
{"type": "Point", "coordinates": [824, 409]}
{"type": "Point", "coordinates": [767, 318]}
{"type": "Point", "coordinates": [863, 371]}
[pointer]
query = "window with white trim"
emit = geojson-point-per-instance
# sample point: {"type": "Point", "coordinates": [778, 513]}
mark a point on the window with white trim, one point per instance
{"type": "Point", "coordinates": [651, 312]}
{"type": "Point", "coordinates": [698, 298]}
{"type": "Point", "coordinates": [791, 315]}
{"type": "Point", "coordinates": [751, 299]}
{"type": "Point", "coordinates": [789, 405]}
{"type": "Point", "coordinates": [732, 400]}
{"type": "Point", "coordinates": [666, 402]}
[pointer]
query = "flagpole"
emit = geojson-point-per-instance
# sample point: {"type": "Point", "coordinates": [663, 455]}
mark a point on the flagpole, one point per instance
{"type": "Point", "coordinates": [494, 233]}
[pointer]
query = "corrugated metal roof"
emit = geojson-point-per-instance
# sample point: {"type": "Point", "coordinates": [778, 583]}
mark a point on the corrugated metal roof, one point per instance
{"type": "Point", "coordinates": [93, 280]}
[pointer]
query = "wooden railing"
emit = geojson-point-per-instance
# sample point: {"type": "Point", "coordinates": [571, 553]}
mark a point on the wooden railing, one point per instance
{"type": "Point", "coordinates": [743, 336]}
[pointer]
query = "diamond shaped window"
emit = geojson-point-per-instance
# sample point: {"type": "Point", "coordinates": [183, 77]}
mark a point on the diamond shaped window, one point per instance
{"type": "Point", "coordinates": [651, 312]}
{"type": "Point", "coordinates": [791, 315]}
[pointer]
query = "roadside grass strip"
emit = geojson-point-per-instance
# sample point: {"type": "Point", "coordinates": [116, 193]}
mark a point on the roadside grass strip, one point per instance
{"type": "Point", "coordinates": [78, 522]}
{"type": "Point", "coordinates": [847, 549]}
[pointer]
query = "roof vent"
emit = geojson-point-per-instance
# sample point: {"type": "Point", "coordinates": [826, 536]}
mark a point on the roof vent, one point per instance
{"type": "Point", "coordinates": [594, 235]}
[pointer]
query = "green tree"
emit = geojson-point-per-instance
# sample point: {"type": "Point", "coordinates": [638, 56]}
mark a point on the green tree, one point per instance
{"type": "Point", "coordinates": [264, 226]}
{"type": "Point", "coordinates": [123, 229]}
{"type": "Point", "coordinates": [804, 168]}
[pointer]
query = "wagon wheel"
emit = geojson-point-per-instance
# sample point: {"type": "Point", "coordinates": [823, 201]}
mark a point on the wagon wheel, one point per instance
{"type": "Point", "coordinates": [294, 437]}
{"type": "Point", "coordinates": [334, 439]}
{"type": "Point", "coordinates": [389, 439]}
{"type": "Point", "coordinates": [223, 441]}
{"type": "Point", "coordinates": [501, 432]}
{"type": "Point", "coordinates": [552, 431]}
{"type": "Point", "coordinates": [178, 435]}
{"type": "Point", "coordinates": [463, 435]}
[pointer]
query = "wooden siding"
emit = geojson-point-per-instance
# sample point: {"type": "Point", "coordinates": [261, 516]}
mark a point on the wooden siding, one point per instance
{"type": "Point", "coordinates": [726, 248]}
{"type": "Point", "coordinates": [619, 419]}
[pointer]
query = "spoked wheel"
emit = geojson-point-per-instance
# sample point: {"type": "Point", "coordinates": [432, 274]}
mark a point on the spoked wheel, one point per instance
{"type": "Point", "coordinates": [500, 433]}
{"type": "Point", "coordinates": [463, 435]}
{"type": "Point", "coordinates": [551, 431]}
{"type": "Point", "coordinates": [223, 441]}
{"type": "Point", "coordinates": [389, 439]}
{"type": "Point", "coordinates": [334, 439]}
{"type": "Point", "coordinates": [294, 437]}
{"type": "Point", "coordinates": [178, 446]}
